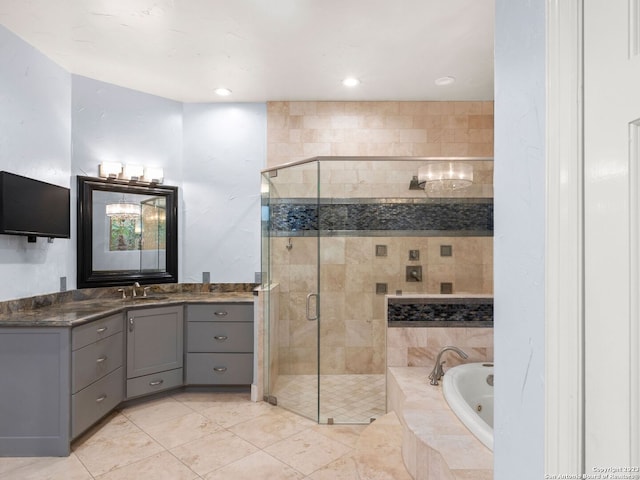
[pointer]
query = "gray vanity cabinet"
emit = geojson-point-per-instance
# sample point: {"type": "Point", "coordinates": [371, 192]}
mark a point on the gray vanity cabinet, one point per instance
{"type": "Point", "coordinates": [220, 344]}
{"type": "Point", "coordinates": [154, 350]}
{"type": "Point", "coordinates": [97, 372]}
{"type": "Point", "coordinates": [34, 391]}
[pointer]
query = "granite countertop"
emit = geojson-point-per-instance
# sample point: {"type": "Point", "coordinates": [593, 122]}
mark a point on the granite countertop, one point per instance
{"type": "Point", "coordinates": [76, 312]}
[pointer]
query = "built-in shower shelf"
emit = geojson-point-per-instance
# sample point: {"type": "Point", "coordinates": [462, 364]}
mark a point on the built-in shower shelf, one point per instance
{"type": "Point", "coordinates": [433, 310]}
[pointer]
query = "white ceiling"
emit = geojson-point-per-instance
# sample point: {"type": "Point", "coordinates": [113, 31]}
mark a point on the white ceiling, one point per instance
{"type": "Point", "coordinates": [266, 50]}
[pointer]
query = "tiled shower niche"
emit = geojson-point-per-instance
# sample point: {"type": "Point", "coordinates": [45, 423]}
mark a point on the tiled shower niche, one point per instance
{"type": "Point", "coordinates": [440, 310]}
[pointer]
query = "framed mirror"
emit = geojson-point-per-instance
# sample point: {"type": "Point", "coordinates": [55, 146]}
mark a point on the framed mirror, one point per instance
{"type": "Point", "coordinates": [127, 232]}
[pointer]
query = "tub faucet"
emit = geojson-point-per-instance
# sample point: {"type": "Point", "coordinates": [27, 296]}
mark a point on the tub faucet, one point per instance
{"type": "Point", "coordinates": [437, 372]}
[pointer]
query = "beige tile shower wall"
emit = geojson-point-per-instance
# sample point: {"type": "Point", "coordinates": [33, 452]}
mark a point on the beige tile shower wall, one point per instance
{"type": "Point", "coordinates": [353, 328]}
{"type": "Point", "coordinates": [419, 346]}
{"type": "Point", "coordinates": [353, 324]}
{"type": "Point", "coordinates": [299, 130]}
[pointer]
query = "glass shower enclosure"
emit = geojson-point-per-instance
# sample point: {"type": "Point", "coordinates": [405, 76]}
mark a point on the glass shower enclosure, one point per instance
{"type": "Point", "coordinates": [337, 235]}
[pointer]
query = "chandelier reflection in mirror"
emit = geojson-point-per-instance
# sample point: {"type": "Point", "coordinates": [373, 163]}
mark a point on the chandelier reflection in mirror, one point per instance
{"type": "Point", "coordinates": [137, 226]}
{"type": "Point", "coordinates": [124, 225]}
{"type": "Point", "coordinates": [123, 210]}
{"type": "Point", "coordinates": [443, 177]}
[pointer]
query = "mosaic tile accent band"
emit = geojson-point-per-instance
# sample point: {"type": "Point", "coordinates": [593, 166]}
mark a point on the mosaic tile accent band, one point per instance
{"type": "Point", "coordinates": [443, 216]}
{"type": "Point", "coordinates": [461, 312]}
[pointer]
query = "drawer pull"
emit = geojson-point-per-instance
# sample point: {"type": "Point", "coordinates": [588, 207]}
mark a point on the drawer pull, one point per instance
{"type": "Point", "coordinates": [101, 398]}
{"type": "Point", "coordinates": [221, 314]}
{"type": "Point", "coordinates": [101, 359]}
{"type": "Point", "coordinates": [155, 383]}
{"type": "Point", "coordinates": [220, 338]}
{"type": "Point", "coordinates": [101, 329]}
{"type": "Point", "coordinates": [220, 369]}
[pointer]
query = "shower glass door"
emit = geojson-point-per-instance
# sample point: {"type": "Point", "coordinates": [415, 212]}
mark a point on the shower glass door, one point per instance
{"type": "Point", "coordinates": [292, 260]}
{"type": "Point", "coordinates": [353, 329]}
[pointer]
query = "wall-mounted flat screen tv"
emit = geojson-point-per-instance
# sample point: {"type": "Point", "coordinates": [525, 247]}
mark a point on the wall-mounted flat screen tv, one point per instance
{"type": "Point", "coordinates": [33, 208]}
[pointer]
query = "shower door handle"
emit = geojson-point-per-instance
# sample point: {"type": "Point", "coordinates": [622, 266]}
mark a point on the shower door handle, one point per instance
{"type": "Point", "coordinates": [315, 315]}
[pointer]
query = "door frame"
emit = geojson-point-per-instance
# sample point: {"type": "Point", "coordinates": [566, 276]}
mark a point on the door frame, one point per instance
{"type": "Point", "coordinates": [564, 261]}
{"type": "Point", "coordinates": [565, 327]}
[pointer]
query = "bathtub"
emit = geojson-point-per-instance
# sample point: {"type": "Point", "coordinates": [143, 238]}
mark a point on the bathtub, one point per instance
{"type": "Point", "coordinates": [468, 392]}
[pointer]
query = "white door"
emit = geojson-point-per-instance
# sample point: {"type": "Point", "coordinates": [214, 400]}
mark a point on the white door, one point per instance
{"type": "Point", "coordinates": [611, 184]}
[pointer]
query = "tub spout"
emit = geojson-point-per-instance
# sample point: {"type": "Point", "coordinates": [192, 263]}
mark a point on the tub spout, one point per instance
{"type": "Point", "coordinates": [437, 372]}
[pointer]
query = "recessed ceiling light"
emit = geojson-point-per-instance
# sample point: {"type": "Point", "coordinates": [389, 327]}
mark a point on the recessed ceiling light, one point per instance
{"type": "Point", "coordinates": [350, 82]}
{"type": "Point", "coordinates": [223, 92]}
{"type": "Point", "coordinates": [442, 81]}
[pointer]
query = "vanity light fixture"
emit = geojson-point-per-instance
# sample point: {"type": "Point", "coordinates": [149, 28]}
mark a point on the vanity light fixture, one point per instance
{"type": "Point", "coordinates": [444, 176]}
{"type": "Point", "coordinates": [222, 91]}
{"type": "Point", "coordinates": [131, 173]}
{"type": "Point", "coordinates": [153, 174]}
{"type": "Point", "coordinates": [110, 169]}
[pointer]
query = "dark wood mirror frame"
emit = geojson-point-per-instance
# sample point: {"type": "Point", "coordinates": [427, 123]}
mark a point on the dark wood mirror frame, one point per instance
{"type": "Point", "coordinates": [86, 276]}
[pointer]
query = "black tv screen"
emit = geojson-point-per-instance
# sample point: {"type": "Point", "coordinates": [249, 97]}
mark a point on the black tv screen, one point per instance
{"type": "Point", "coordinates": [33, 208]}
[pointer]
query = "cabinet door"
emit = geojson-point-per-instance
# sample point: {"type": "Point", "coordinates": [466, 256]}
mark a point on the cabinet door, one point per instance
{"type": "Point", "coordinates": [154, 340]}
{"type": "Point", "coordinates": [35, 366]}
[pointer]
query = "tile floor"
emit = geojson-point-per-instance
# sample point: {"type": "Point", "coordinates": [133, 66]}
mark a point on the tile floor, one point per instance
{"type": "Point", "coordinates": [210, 436]}
{"type": "Point", "coordinates": [344, 398]}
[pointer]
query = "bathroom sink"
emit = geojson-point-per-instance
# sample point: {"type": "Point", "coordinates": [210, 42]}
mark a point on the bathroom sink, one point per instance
{"type": "Point", "coordinates": [148, 298]}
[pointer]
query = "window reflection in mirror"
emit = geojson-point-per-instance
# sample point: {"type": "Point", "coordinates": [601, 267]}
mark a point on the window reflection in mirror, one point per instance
{"type": "Point", "coordinates": [126, 233]}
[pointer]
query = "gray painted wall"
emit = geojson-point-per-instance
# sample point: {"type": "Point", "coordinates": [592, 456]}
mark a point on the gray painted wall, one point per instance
{"type": "Point", "coordinates": [54, 126]}
{"type": "Point", "coordinates": [112, 123]}
{"type": "Point", "coordinates": [224, 150]}
{"type": "Point", "coordinates": [519, 241]}
{"type": "Point", "coordinates": [35, 134]}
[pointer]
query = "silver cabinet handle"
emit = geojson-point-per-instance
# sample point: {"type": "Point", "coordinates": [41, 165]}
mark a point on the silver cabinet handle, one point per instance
{"type": "Point", "coordinates": [220, 338]}
{"type": "Point", "coordinates": [101, 398]}
{"type": "Point", "coordinates": [220, 369]}
{"type": "Point", "coordinates": [131, 324]}
{"type": "Point", "coordinates": [101, 329]}
{"type": "Point", "coordinates": [221, 314]}
{"type": "Point", "coordinates": [155, 383]}
{"type": "Point", "coordinates": [315, 315]}
{"type": "Point", "coordinates": [101, 359]}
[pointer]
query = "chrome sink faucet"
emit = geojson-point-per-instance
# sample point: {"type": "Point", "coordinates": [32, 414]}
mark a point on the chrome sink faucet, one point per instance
{"type": "Point", "coordinates": [133, 289]}
{"type": "Point", "coordinates": [437, 372]}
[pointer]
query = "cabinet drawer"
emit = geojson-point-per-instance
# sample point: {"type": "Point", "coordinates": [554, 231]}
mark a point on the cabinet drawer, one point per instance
{"type": "Point", "coordinates": [94, 361]}
{"type": "Point", "coordinates": [95, 401]}
{"type": "Point", "coordinates": [219, 368]}
{"type": "Point", "coordinates": [224, 312]}
{"type": "Point", "coordinates": [156, 382]}
{"type": "Point", "coordinates": [220, 337]}
{"type": "Point", "coordinates": [97, 330]}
